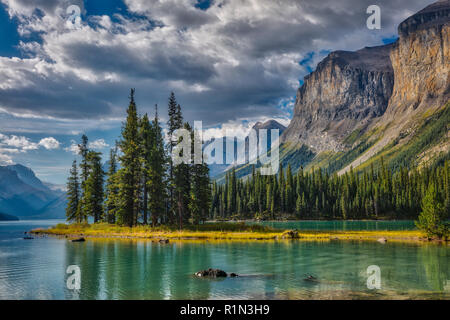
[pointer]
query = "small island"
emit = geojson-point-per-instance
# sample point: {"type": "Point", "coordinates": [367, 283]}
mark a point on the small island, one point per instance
{"type": "Point", "coordinates": [222, 231]}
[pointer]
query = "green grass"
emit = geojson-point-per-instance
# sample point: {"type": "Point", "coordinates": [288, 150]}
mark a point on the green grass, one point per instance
{"type": "Point", "coordinates": [429, 133]}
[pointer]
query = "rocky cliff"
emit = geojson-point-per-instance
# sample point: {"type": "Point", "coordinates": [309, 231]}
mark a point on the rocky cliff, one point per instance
{"type": "Point", "coordinates": [346, 91]}
{"type": "Point", "coordinates": [386, 91]}
{"type": "Point", "coordinates": [421, 62]}
{"type": "Point", "coordinates": [389, 101]}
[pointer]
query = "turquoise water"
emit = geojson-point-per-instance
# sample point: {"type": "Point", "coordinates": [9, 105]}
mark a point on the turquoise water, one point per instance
{"type": "Point", "coordinates": [352, 225]}
{"type": "Point", "coordinates": [127, 269]}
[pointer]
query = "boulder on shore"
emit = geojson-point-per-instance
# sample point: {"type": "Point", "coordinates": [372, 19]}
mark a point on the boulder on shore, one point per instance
{"type": "Point", "coordinates": [213, 273]}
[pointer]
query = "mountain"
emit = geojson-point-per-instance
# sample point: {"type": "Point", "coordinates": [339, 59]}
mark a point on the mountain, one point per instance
{"type": "Point", "coordinates": [7, 217]}
{"type": "Point", "coordinates": [23, 195]}
{"type": "Point", "coordinates": [216, 170]}
{"type": "Point", "coordinates": [345, 92]}
{"type": "Point", "coordinates": [389, 102]}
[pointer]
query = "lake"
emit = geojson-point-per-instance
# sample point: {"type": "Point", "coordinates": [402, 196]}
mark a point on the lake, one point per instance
{"type": "Point", "coordinates": [139, 269]}
{"type": "Point", "coordinates": [339, 225]}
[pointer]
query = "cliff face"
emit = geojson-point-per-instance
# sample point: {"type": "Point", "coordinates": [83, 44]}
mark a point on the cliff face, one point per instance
{"type": "Point", "coordinates": [389, 101]}
{"type": "Point", "coordinates": [346, 91]}
{"type": "Point", "coordinates": [421, 63]}
{"type": "Point", "coordinates": [388, 88]}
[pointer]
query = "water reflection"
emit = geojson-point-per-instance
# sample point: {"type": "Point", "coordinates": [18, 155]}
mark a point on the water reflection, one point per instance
{"type": "Point", "coordinates": [118, 269]}
{"type": "Point", "coordinates": [127, 269]}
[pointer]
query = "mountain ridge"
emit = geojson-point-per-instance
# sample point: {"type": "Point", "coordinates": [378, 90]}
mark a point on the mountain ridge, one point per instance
{"type": "Point", "coordinates": [389, 101]}
{"type": "Point", "coordinates": [23, 195]}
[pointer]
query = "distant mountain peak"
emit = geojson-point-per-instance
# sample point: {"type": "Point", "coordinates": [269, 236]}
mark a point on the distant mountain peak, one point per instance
{"type": "Point", "coordinates": [269, 124]}
{"type": "Point", "coordinates": [22, 194]}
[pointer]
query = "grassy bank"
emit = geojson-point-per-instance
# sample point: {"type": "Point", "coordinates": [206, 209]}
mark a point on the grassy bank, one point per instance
{"type": "Point", "coordinates": [221, 231]}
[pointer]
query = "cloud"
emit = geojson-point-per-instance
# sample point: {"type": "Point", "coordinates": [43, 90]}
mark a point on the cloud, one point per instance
{"type": "Point", "coordinates": [235, 60]}
{"type": "Point", "coordinates": [73, 148]}
{"type": "Point", "coordinates": [98, 144]}
{"type": "Point", "coordinates": [49, 143]}
{"type": "Point", "coordinates": [5, 159]}
{"type": "Point", "coordinates": [13, 144]}
{"type": "Point", "coordinates": [19, 142]}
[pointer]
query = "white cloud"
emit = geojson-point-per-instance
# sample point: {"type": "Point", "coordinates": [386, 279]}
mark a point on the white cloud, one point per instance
{"type": "Point", "coordinates": [98, 144]}
{"type": "Point", "coordinates": [13, 144]}
{"type": "Point", "coordinates": [73, 147]}
{"type": "Point", "coordinates": [5, 159]}
{"type": "Point", "coordinates": [19, 142]}
{"type": "Point", "coordinates": [49, 143]}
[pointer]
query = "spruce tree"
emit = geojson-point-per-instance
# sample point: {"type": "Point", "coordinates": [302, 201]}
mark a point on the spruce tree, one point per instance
{"type": "Point", "coordinates": [157, 179]}
{"type": "Point", "coordinates": [130, 172]}
{"type": "Point", "coordinates": [112, 188]}
{"type": "Point", "coordinates": [83, 151]}
{"type": "Point", "coordinates": [94, 196]}
{"type": "Point", "coordinates": [175, 122]}
{"type": "Point", "coordinates": [432, 219]}
{"type": "Point", "coordinates": [73, 195]}
{"type": "Point", "coordinates": [146, 138]}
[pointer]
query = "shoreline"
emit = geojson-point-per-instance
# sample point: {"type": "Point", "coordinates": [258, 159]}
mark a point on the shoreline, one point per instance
{"type": "Point", "coordinates": [267, 234]}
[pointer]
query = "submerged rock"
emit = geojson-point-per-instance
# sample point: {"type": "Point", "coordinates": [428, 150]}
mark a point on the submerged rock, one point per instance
{"type": "Point", "coordinates": [310, 278]}
{"type": "Point", "coordinates": [28, 238]}
{"type": "Point", "coordinates": [213, 273]}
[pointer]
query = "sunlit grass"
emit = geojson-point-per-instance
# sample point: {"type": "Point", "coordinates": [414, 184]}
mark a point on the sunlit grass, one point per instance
{"type": "Point", "coordinates": [220, 231]}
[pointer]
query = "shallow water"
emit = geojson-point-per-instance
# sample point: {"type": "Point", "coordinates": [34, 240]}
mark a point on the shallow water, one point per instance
{"type": "Point", "coordinates": [131, 269]}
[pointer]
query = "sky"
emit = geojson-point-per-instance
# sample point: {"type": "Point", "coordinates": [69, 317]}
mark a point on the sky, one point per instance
{"type": "Point", "coordinates": [230, 63]}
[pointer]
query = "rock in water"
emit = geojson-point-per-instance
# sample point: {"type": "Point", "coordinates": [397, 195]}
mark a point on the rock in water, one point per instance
{"type": "Point", "coordinates": [291, 234]}
{"type": "Point", "coordinates": [213, 273]}
{"type": "Point", "coordinates": [382, 240]}
{"type": "Point", "coordinates": [78, 240]}
{"type": "Point", "coordinates": [164, 241]}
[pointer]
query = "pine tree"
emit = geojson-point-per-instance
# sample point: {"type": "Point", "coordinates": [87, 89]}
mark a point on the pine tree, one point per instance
{"type": "Point", "coordinates": [73, 195]}
{"type": "Point", "coordinates": [94, 187]}
{"type": "Point", "coordinates": [129, 187]}
{"type": "Point", "coordinates": [200, 199]}
{"type": "Point", "coordinates": [182, 188]}
{"type": "Point", "coordinates": [83, 151]}
{"type": "Point", "coordinates": [432, 219]}
{"type": "Point", "coordinates": [174, 123]}
{"type": "Point", "coordinates": [146, 137]}
{"type": "Point", "coordinates": [157, 183]}
{"type": "Point", "coordinates": [112, 202]}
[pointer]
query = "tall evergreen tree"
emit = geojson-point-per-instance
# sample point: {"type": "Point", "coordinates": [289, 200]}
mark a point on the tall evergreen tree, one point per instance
{"type": "Point", "coordinates": [94, 195]}
{"type": "Point", "coordinates": [182, 188]}
{"type": "Point", "coordinates": [175, 122]}
{"type": "Point", "coordinates": [157, 180]}
{"type": "Point", "coordinates": [147, 140]}
{"type": "Point", "coordinates": [432, 219]}
{"type": "Point", "coordinates": [130, 172]}
{"type": "Point", "coordinates": [73, 195]}
{"type": "Point", "coordinates": [83, 151]}
{"type": "Point", "coordinates": [112, 202]}
{"type": "Point", "coordinates": [200, 199]}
